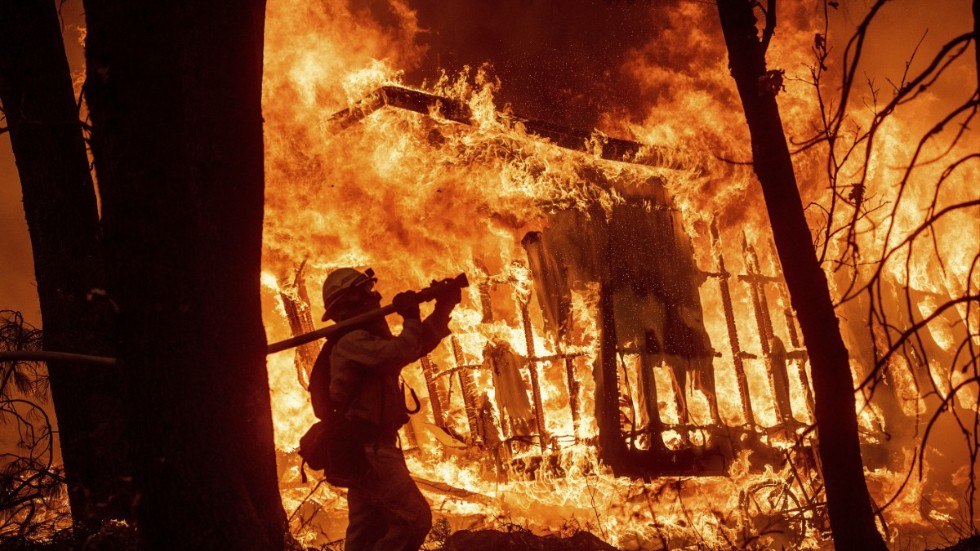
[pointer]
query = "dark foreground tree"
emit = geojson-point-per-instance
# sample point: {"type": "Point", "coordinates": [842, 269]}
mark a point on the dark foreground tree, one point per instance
{"type": "Point", "coordinates": [849, 505]}
{"type": "Point", "coordinates": [59, 200]}
{"type": "Point", "coordinates": [174, 91]}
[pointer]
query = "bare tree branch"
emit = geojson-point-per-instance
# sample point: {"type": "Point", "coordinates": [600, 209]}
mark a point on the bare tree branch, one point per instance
{"type": "Point", "coordinates": [939, 411]}
{"type": "Point", "coordinates": [914, 330]}
{"type": "Point", "coordinates": [770, 28]}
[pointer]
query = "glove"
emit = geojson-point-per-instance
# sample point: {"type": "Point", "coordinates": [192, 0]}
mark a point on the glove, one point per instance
{"type": "Point", "coordinates": [407, 305]}
{"type": "Point", "coordinates": [447, 299]}
{"type": "Point", "coordinates": [449, 295]}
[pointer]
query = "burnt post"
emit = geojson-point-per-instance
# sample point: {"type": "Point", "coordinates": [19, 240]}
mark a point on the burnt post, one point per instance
{"type": "Point", "coordinates": [468, 391]}
{"type": "Point", "coordinates": [486, 305]}
{"type": "Point", "coordinates": [436, 397]}
{"type": "Point", "coordinates": [572, 394]}
{"type": "Point", "coordinates": [612, 446]}
{"type": "Point", "coordinates": [532, 367]}
{"type": "Point", "coordinates": [726, 302]}
{"type": "Point", "coordinates": [778, 380]}
{"type": "Point", "coordinates": [491, 437]}
{"type": "Point", "coordinates": [296, 303]}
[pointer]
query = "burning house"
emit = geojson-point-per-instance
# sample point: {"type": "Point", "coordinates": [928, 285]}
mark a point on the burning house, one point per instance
{"type": "Point", "coordinates": [585, 333]}
{"type": "Point", "coordinates": [626, 359]}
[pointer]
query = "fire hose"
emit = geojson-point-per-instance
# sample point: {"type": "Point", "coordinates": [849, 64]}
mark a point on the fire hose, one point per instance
{"type": "Point", "coordinates": [425, 295]}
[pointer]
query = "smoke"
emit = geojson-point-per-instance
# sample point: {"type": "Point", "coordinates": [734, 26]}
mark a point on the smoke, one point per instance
{"type": "Point", "coordinates": [562, 62]}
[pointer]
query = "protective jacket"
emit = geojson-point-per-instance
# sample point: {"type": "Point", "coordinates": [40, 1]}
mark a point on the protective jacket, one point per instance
{"type": "Point", "coordinates": [365, 365]}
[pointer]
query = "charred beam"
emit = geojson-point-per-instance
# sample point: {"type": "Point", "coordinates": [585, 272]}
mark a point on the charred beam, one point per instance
{"type": "Point", "coordinates": [757, 281]}
{"type": "Point", "coordinates": [532, 367]}
{"type": "Point", "coordinates": [610, 149]}
{"type": "Point", "coordinates": [297, 306]}
{"type": "Point", "coordinates": [468, 391]}
{"type": "Point", "coordinates": [612, 447]}
{"type": "Point", "coordinates": [486, 305]}
{"type": "Point", "coordinates": [726, 301]}
{"type": "Point", "coordinates": [490, 434]}
{"type": "Point", "coordinates": [436, 396]}
{"type": "Point", "coordinates": [572, 394]}
{"type": "Point", "coordinates": [775, 363]}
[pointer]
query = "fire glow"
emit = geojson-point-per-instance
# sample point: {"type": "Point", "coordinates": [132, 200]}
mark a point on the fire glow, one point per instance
{"type": "Point", "coordinates": [508, 431]}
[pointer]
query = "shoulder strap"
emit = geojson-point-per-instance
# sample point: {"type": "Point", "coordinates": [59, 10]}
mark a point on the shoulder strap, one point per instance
{"type": "Point", "coordinates": [323, 405]}
{"type": "Point", "coordinates": [320, 382]}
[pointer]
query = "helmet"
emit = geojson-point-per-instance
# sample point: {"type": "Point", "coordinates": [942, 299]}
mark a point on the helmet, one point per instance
{"type": "Point", "coordinates": [340, 282]}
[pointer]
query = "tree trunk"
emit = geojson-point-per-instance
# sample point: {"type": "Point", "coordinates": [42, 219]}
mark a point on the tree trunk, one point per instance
{"type": "Point", "coordinates": [174, 90]}
{"type": "Point", "coordinates": [59, 201]}
{"type": "Point", "coordinates": [849, 505]}
{"type": "Point", "coordinates": [976, 37]}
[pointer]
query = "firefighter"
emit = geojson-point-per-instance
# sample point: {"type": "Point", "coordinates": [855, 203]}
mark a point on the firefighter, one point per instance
{"type": "Point", "coordinates": [386, 510]}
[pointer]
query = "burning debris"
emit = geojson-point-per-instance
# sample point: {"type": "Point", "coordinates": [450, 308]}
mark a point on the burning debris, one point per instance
{"type": "Point", "coordinates": [488, 540]}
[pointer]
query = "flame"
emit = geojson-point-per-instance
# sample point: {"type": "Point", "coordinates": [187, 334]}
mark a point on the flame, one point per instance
{"type": "Point", "coordinates": [417, 196]}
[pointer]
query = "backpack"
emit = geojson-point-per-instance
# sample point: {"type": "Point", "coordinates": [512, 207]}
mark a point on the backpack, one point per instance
{"type": "Point", "coordinates": [335, 444]}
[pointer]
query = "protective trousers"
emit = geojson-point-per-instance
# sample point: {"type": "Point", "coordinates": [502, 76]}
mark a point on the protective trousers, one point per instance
{"type": "Point", "coordinates": [386, 511]}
